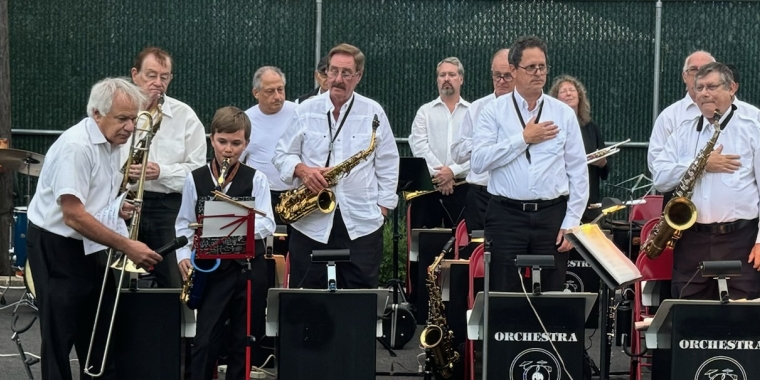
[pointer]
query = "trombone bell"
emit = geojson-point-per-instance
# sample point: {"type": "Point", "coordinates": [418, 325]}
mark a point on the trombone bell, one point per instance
{"type": "Point", "coordinates": [127, 265]}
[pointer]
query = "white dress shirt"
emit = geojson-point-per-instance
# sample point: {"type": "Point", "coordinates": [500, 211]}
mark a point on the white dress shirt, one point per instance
{"type": "Point", "coordinates": [718, 197]}
{"type": "Point", "coordinates": [461, 149]}
{"type": "Point", "coordinates": [434, 130]}
{"type": "Point", "coordinates": [369, 185]}
{"type": "Point", "coordinates": [557, 167]}
{"type": "Point", "coordinates": [80, 163]}
{"type": "Point", "coordinates": [670, 118]}
{"type": "Point", "coordinates": [266, 130]}
{"type": "Point", "coordinates": [263, 225]}
{"type": "Point", "coordinates": [178, 147]}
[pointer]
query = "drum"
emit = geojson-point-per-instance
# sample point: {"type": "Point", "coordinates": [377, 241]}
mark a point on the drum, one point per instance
{"type": "Point", "coordinates": [28, 281]}
{"type": "Point", "coordinates": [19, 235]}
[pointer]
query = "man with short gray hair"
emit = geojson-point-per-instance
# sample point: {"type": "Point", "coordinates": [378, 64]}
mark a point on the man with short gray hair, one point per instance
{"type": "Point", "coordinates": [434, 130]}
{"type": "Point", "coordinates": [269, 119]}
{"type": "Point", "coordinates": [79, 178]}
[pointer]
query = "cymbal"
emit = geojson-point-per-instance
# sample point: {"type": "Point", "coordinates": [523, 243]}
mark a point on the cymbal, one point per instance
{"type": "Point", "coordinates": [23, 161]}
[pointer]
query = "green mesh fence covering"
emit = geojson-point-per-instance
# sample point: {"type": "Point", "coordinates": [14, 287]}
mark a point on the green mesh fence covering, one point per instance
{"type": "Point", "coordinates": [59, 50]}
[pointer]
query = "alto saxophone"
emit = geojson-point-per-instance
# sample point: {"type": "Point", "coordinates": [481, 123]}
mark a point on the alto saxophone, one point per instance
{"type": "Point", "coordinates": [437, 337]}
{"type": "Point", "coordinates": [299, 202]}
{"type": "Point", "coordinates": [680, 213]}
{"type": "Point", "coordinates": [223, 173]}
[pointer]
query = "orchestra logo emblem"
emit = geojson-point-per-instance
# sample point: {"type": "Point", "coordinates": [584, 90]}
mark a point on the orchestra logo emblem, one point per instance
{"type": "Point", "coordinates": [535, 364]}
{"type": "Point", "coordinates": [573, 283]}
{"type": "Point", "coordinates": [720, 368]}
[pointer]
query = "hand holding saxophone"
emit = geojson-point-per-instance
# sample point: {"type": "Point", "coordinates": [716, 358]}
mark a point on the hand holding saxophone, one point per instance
{"type": "Point", "coordinates": [312, 177]}
{"type": "Point", "coordinates": [535, 133]}
{"type": "Point", "coordinates": [184, 268]}
{"type": "Point", "coordinates": [152, 170]}
{"type": "Point", "coordinates": [722, 163]}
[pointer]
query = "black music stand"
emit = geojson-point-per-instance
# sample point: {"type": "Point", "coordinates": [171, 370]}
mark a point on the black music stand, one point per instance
{"type": "Point", "coordinates": [613, 268]}
{"type": "Point", "coordinates": [413, 176]}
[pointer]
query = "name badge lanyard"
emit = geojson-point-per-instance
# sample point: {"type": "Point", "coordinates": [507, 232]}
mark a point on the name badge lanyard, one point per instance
{"type": "Point", "coordinates": [522, 122]}
{"type": "Point", "coordinates": [340, 127]}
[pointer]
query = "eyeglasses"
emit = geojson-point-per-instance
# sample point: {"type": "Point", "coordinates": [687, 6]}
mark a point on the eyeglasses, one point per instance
{"type": "Point", "coordinates": [709, 87]}
{"type": "Point", "coordinates": [345, 74]}
{"type": "Point", "coordinates": [153, 76]}
{"type": "Point", "coordinates": [692, 70]}
{"type": "Point", "coordinates": [498, 76]}
{"type": "Point", "coordinates": [322, 74]}
{"type": "Point", "coordinates": [533, 69]}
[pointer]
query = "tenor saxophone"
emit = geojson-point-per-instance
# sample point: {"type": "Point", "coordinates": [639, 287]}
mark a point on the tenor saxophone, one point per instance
{"type": "Point", "coordinates": [299, 202]}
{"type": "Point", "coordinates": [680, 213]}
{"type": "Point", "coordinates": [437, 337]}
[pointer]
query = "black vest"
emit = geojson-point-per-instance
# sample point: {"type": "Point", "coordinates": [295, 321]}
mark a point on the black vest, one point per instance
{"type": "Point", "coordinates": [240, 189]}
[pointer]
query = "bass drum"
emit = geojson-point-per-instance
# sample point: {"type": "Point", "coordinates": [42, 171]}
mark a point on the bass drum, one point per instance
{"type": "Point", "coordinates": [29, 282]}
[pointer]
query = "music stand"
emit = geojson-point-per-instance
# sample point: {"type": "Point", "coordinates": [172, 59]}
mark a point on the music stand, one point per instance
{"type": "Point", "coordinates": [613, 268]}
{"type": "Point", "coordinates": [413, 176]}
{"type": "Point", "coordinates": [227, 232]}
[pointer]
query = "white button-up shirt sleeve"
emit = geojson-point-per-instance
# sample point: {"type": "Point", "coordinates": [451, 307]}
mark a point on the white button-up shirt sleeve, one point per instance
{"type": "Point", "coordinates": [186, 216]}
{"type": "Point", "coordinates": [386, 164]}
{"type": "Point", "coordinates": [461, 149]}
{"type": "Point", "coordinates": [287, 154]}
{"type": "Point", "coordinates": [434, 130]}
{"type": "Point", "coordinates": [577, 173]}
{"type": "Point", "coordinates": [489, 150]}
{"type": "Point", "coordinates": [419, 142]}
{"type": "Point", "coordinates": [671, 162]}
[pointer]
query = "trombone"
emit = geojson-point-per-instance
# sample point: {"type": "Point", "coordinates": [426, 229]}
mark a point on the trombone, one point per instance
{"type": "Point", "coordinates": [604, 152]}
{"type": "Point", "coordinates": [123, 263]}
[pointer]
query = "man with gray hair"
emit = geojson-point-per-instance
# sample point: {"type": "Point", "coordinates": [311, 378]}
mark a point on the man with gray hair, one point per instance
{"type": "Point", "coordinates": [727, 193]}
{"type": "Point", "coordinates": [434, 130]}
{"type": "Point", "coordinates": [678, 112]}
{"type": "Point", "coordinates": [269, 119]}
{"type": "Point", "coordinates": [79, 178]}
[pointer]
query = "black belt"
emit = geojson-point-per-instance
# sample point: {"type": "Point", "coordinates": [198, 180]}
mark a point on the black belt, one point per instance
{"type": "Point", "coordinates": [723, 228]}
{"type": "Point", "coordinates": [529, 206]}
{"type": "Point", "coordinates": [155, 195]}
{"type": "Point", "coordinates": [478, 187]}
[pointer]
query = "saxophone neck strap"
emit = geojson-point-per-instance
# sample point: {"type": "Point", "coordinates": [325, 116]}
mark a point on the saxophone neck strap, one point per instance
{"type": "Point", "coordinates": [216, 168]}
{"type": "Point", "coordinates": [723, 124]}
{"type": "Point", "coordinates": [340, 127]}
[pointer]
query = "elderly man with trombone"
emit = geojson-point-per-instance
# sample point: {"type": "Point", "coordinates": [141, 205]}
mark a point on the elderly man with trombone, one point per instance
{"type": "Point", "coordinates": [79, 178]}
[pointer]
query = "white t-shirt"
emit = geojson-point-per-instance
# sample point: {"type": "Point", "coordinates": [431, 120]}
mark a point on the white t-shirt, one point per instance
{"type": "Point", "coordinates": [266, 130]}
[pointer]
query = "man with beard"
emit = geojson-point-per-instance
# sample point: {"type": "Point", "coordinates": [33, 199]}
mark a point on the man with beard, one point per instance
{"type": "Point", "coordinates": [532, 147]}
{"type": "Point", "coordinates": [461, 150]}
{"type": "Point", "coordinates": [269, 119]}
{"type": "Point", "coordinates": [178, 148]}
{"type": "Point", "coordinates": [325, 131]}
{"type": "Point", "coordinates": [433, 131]}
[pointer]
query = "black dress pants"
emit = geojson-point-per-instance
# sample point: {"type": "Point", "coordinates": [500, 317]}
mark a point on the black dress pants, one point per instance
{"type": "Point", "coordinates": [224, 298]}
{"type": "Point", "coordinates": [475, 207]}
{"type": "Point", "coordinates": [513, 232]}
{"type": "Point", "coordinates": [159, 212]}
{"type": "Point", "coordinates": [68, 285]}
{"type": "Point", "coordinates": [362, 272]}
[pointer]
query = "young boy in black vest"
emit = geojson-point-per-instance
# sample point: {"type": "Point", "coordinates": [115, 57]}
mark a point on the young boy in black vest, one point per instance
{"type": "Point", "coordinates": [224, 294]}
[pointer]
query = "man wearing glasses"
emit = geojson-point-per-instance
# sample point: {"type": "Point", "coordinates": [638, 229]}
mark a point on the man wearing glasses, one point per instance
{"type": "Point", "coordinates": [320, 76]}
{"type": "Point", "coordinates": [178, 148]}
{"type": "Point", "coordinates": [433, 131]}
{"type": "Point", "coordinates": [676, 113]}
{"type": "Point", "coordinates": [531, 146]}
{"type": "Point", "coordinates": [325, 131]}
{"type": "Point", "coordinates": [461, 150]}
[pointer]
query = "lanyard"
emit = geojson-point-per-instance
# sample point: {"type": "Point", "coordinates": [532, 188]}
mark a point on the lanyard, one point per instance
{"type": "Point", "coordinates": [723, 125]}
{"type": "Point", "coordinates": [340, 127]}
{"type": "Point", "coordinates": [522, 122]}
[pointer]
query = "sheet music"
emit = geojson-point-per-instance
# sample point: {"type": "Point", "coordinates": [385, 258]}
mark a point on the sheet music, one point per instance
{"type": "Point", "coordinates": [218, 226]}
{"type": "Point", "coordinates": [606, 253]}
{"type": "Point", "coordinates": [109, 217]}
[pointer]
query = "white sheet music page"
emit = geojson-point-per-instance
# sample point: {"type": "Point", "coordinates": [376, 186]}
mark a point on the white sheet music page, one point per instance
{"type": "Point", "coordinates": [615, 262]}
{"type": "Point", "coordinates": [109, 217]}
